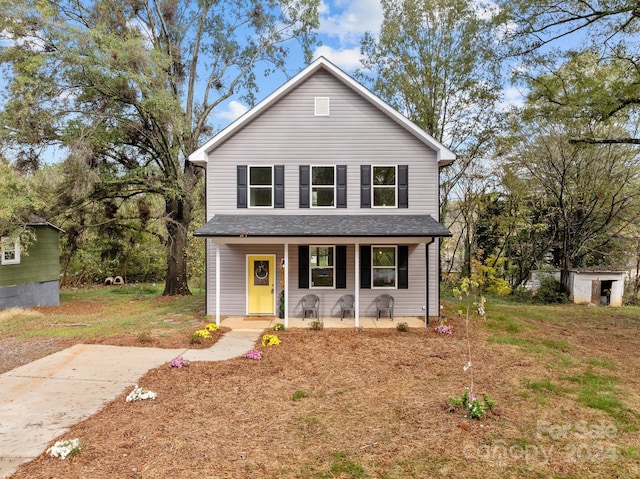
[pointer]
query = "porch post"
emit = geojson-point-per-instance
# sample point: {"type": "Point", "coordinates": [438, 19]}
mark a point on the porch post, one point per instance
{"type": "Point", "coordinates": [217, 284]}
{"type": "Point", "coordinates": [286, 285]}
{"type": "Point", "coordinates": [426, 285]}
{"type": "Point", "coordinates": [357, 284]}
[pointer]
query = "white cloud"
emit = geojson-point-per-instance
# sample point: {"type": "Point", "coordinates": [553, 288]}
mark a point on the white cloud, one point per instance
{"type": "Point", "coordinates": [349, 19]}
{"type": "Point", "coordinates": [235, 110]}
{"type": "Point", "coordinates": [347, 59]}
{"type": "Point", "coordinates": [512, 97]}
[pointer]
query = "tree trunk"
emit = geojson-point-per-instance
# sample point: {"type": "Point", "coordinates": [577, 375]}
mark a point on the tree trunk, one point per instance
{"type": "Point", "coordinates": [179, 214]}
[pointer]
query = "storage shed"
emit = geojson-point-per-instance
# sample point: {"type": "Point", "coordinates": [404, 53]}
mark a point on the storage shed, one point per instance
{"type": "Point", "coordinates": [601, 287]}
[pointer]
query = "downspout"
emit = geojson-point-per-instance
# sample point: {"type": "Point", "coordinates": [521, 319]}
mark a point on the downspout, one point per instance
{"type": "Point", "coordinates": [426, 283]}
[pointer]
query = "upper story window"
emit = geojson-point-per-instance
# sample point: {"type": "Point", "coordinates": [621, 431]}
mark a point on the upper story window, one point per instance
{"type": "Point", "coordinates": [384, 186]}
{"type": "Point", "coordinates": [384, 266]}
{"type": "Point", "coordinates": [10, 251]}
{"type": "Point", "coordinates": [384, 183]}
{"type": "Point", "coordinates": [322, 266]}
{"type": "Point", "coordinates": [260, 186]}
{"type": "Point", "coordinates": [323, 186]}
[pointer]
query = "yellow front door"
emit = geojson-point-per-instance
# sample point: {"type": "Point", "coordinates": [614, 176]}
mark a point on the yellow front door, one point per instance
{"type": "Point", "coordinates": [261, 275]}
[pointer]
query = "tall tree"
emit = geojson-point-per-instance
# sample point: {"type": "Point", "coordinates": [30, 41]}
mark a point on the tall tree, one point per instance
{"type": "Point", "coordinates": [589, 192]}
{"type": "Point", "coordinates": [129, 88]}
{"type": "Point", "coordinates": [546, 34]}
{"type": "Point", "coordinates": [434, 61]}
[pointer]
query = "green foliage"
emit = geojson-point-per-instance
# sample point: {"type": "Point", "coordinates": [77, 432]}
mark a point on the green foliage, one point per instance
{"type": "Point", "coordinates": [476, 408]}
{"type": "Point", "coordinates": [549, 291]}
{"type": "Point", "coordinates": [344, 467]}
{"type": "Point", "coordinates": [147, 79]}
{"type": "Point", "coordinates": [299, 394]}
{"type": "Point", "coordinates": [402, 327]}
{"type": "Point", "coordinates": [316, 325]}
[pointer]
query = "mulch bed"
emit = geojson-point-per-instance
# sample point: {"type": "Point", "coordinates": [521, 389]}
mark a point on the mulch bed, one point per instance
{"type": "Point", "coordinates": [343, 403]}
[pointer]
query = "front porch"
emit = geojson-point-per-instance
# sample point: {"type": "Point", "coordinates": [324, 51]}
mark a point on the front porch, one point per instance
{"type": "Point", "coordinates": [329, 322]}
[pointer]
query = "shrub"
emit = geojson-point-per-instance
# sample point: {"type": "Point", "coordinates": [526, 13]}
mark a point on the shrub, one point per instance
{"type": "Point", "coordinates": [145, 337]}
{"type": "Point", "coordinates": [476, 408]}
{"type": "Point", "coordinates": [316, 325]}
{"type": "Point", "coordinates": [402, 327]}
{"type": "Point", "coordinates": [549, 291]}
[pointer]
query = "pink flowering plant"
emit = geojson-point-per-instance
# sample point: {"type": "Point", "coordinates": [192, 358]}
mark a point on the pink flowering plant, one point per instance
{"type": "Point", "coordinates": [443, 328]}
{"type": "Point", "coordinates": [178, 363]}
{"type": "Point", "coordinates": [253, 354]}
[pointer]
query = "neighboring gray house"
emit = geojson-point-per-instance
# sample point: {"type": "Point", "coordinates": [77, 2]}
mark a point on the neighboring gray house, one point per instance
{"type": "Point", "coordinates": [325, 189]}
{"type": "Point", "coordinates": [31, 278]}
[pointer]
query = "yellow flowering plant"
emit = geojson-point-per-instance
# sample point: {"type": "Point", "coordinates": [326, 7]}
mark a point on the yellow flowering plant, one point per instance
{"type": "Point", "coordinates": [270, 340]}
{"type": "Point", "coordinates": [211, 327]}
{"type": "Point", "coordinates": [198, 336]}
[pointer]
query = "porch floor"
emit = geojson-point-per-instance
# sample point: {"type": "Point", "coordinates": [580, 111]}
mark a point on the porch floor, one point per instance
{"type": "Point", "coordinates": [267, 322]}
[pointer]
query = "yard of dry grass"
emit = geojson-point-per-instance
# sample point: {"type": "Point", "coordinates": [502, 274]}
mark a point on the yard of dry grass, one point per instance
{"type": "Point", "coordinates": [374, 404]}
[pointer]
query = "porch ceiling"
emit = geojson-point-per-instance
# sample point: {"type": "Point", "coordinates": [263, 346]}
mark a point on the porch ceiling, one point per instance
{"type": "Point", "coordinates": [415, 227]}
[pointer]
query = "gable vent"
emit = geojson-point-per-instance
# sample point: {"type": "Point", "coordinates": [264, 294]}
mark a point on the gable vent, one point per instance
{"type": "Point", "coordinates": [322, 106]}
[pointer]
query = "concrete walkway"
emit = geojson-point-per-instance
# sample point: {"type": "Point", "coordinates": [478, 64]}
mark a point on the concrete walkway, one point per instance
{"type": "Point", "coordinates": [42, 400]}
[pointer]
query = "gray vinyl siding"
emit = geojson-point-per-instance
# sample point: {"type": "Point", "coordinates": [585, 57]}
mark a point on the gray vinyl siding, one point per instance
{"type": "Point", "coordinates": [288, 133]}
{"type": "Point", "coordinates": [408, 302]}
{"type": "Point", "coordinates": [355, 133]}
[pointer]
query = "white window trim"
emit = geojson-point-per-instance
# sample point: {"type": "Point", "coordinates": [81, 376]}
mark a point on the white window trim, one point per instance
{"type": "Point", "coordinates": [373, 267]}
{"type": "Point", "coordinates": [16, 249]}
{"type": "Point", "coordinates": [311, 185]}
{"type": "Point", "coordinates": [333, 267]}
{"type": "Point", "coordinates": [249, 186]}
{"type": "Point", "coordinates": [373, 186]}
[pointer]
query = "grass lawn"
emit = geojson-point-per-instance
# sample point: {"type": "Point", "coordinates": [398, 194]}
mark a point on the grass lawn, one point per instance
{"type": "Point", "coordinates": [374, 403]}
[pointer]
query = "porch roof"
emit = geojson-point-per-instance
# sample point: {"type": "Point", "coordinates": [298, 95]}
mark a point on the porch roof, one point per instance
{"type": "Point", "coordinates": [334, 225]}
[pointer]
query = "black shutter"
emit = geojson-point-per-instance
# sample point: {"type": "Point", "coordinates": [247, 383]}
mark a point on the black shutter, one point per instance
{"type": "Point", "coordinates": [365, 186]}
{"type": "Point", "coordinates": [303, 267]}
{"type": "Point", "coordinates": [278, 182]}
{"type": "Point", "coordinates": [403, 267]}
{"type": "Point", "coordinates": [365, 267]}
{"type": "Point", "coordinates": [305, 179]}
{"type": "Point", "coordinates": [403, 186]}
{"type": "Point", "coordinates": [242, 186]}
{"type": "Point", "coordinates": [341, 173]}
{"type": "Point", "coordinates": [341, 267]}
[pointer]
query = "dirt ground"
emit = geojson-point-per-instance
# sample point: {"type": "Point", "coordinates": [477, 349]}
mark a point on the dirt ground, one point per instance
{"type": "Point", "coordinates": [373, 404]}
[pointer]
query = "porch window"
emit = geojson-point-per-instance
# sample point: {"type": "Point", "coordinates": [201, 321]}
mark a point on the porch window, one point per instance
{"type": "Point", "coordinates": [323, 186]}
{"type": "Point", "coordinates": [10, 251]}
{"type": "Point", "coordinates": [322, 266]}
{"type": "Point", "coordinates": [384, 266]}
{"type": "Point", "coordinates": [260, 186]}
{"type": "Point", "coordinates": [384, 186]}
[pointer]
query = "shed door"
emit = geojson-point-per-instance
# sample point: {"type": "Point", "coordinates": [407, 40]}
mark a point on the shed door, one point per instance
{"type": "Point", "coordinates": [595, 291]}
{"type": "Point", "coordinates": [260, 284]}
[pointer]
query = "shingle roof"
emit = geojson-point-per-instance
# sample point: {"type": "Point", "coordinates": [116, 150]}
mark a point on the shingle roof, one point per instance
{"type": "Point", "coordinates": [373, 225]}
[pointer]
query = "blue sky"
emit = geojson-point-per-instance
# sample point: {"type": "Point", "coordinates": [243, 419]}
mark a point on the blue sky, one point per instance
{"type": "Point", "coordinates": [342, 25]}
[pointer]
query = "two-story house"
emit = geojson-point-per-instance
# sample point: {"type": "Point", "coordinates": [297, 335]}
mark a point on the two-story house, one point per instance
{"type": "Point", "coordinates": [322, 188]}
